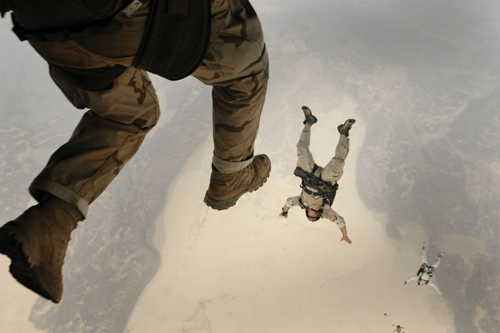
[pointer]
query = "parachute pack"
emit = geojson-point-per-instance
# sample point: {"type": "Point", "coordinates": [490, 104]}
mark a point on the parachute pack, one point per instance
{"type": "Point", "coordinates": [321, 187]}
{"type": "Point", "coordinates": [173, 45]}
{"type": "Point", "coordinates": [424, 268]}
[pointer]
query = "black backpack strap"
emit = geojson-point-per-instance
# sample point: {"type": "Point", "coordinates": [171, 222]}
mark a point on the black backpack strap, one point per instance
{"type": "Point", "coordinates": [176, 38]}
{"type": "Point", "coordinates": [331, 195]}
{"type": "Point", "coordinates": [302, 204]}
{"type": "Point", "coordinates": [322, 188]}
{"type": "Point", "coordinates": [430, 271]}
{"type": "Point", "coordinates": [94, 79]}
{"type": "Point", "coordinates": [422, 268]}
{"type": "Point", "coordinates": [108, 26]}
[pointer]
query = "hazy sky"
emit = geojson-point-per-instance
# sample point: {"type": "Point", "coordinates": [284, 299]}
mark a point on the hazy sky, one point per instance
{"type": "Point", "coordinates": [422, 79]}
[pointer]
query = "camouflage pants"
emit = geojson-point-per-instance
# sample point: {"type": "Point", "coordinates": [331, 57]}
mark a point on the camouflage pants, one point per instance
{"type": "Point", "coordinates": [333, 171]}
{"type": "Point", "coordinates": [109, 135]}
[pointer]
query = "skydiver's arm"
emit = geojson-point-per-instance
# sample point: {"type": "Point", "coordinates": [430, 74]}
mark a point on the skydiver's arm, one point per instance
{"type": "Point", "coordinates": [330, 214]}
{"type": "Point", "coordinates": [430, 284]}
{"type": "Point", "coordinates": [413, 278]}
{"type": "Point", "coordinates": [293, 201]}
{"type": "Point", "coordinates": [344, 235]}
{"type": "Point", "coordinates": [284, 211]}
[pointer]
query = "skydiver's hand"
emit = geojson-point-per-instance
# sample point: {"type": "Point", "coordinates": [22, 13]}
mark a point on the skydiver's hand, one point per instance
{"type": "Point", "coordinates": [345, 238]}
{"type": "Point", "coordinates": [284, 213]}
{"type": "Point", "coordinates": [344, 235]}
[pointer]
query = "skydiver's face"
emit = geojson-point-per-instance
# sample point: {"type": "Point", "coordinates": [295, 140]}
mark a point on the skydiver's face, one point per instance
{"type": "Point", "coordinates": [312, 215]}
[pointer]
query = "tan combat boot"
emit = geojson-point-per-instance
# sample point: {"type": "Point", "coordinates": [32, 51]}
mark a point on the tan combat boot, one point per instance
{"type": "Point", "coordinates": [226, 188]}
{"type": "Point", "coordinates": [36, 242]}
{"type": "Point", "coordinates": [346, 126]}
{"type": "Point", "coordinates": [310, 118]}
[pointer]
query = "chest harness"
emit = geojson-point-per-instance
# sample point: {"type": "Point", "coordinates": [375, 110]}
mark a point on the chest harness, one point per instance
{"type": "Point", "coordinates": [314, 185]}
{"type": "Point", "coordinates": [425, 269]}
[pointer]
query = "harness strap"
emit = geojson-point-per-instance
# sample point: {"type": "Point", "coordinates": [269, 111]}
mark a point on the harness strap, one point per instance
{"type": "Point", "coordinates": [108, 26]}
{"type": "Point", "coordinates": [178, 8]}
{"type": "Point", "coordinates": [308, 191]}
{"type": "Point", "coordinates": [328, 197]}
{"type": "Point", "coordinates": [94, 79]}
{"type": "Point", "coordinates": [322, 188]}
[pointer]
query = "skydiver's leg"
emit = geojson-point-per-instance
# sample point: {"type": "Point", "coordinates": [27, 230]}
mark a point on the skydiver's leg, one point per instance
{"type": "Point", "coordinates": [106, 138]}
{"type": "Point", "coordinates": [430, 284]}
{"type": "Point", "coordinates": [305, 159]}
{"type": "Point", "coordinates": [333, 171]}
{"type": "Point", "coordinates": [77, 173]}
{"type": "Point", "coordinates": [438, 260]}
{"type": "Point", "coordinates": [424, 259]}
{"type": "Point", "coordinates": [237, 67]}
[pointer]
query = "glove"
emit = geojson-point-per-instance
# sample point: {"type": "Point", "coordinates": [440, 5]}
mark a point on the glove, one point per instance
{"type": "Point", "coordinates": [283, 214]}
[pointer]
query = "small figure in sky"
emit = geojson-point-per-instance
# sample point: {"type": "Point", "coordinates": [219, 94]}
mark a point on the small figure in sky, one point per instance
{"type": "Point", "coordinates": [399, 329]}
{"type": "Point", "coordinates": [319, 185]}
{"type": "Point", "coordinates": [426, 271]}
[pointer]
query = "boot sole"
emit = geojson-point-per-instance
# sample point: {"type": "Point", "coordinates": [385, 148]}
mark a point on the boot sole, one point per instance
{"type": "Point", "coordinates": [228, 203]}
{"type": "Point", "coordinates": [21, 246]}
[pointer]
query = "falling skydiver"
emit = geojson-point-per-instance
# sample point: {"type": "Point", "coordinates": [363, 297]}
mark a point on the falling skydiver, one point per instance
{"type": "Point", "coordinates": [399, 329]}
{"type": "Point", "coordinates": [319, 185]}
{"type": "Point", "coordinates": [426, 271]}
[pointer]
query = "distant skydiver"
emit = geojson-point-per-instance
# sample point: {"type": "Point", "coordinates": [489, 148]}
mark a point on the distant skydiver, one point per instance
{"type": "Point", "coordinates": [425, 272]}
{"type": "Point", "coordinates": [399, 329]}
{"type": "Point", "coordinates": [319, 185]}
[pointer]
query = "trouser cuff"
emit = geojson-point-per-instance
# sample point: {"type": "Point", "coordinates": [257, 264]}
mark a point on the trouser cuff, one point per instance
{"type": "Point", "coordinates": [41, 186]}
{"type": "Point", "coordinates": [229, 167]}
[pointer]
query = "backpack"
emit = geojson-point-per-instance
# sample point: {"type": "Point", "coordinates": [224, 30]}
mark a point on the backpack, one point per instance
{"type": "Point", "coordinates": [5, 6]}
{"type": "Point", "coordinates": [424, 268]}
{"type": "Point", "coordinates": [322, 188]}
{"type": "Point", "coordinates": [173, 45]}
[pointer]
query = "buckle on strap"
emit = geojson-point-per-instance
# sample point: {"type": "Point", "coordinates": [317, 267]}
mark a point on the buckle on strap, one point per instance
{"type": "Point", "coordinates": [128, 11]}
{"type": "Point", "coordinates": [177, 9]}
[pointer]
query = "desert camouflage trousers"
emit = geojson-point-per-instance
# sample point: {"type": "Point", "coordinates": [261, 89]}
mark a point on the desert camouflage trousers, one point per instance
{"type": "Point", "coordinates": [111, 132]}
{"type": "Point", "coordinates": [333, 171]}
